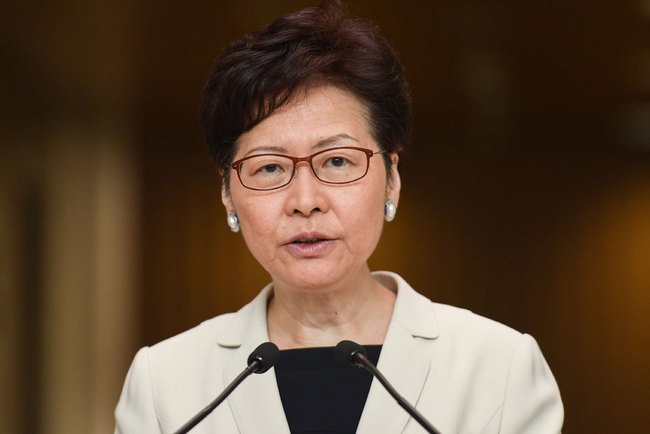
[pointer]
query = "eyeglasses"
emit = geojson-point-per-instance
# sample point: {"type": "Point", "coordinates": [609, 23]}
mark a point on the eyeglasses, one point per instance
{"type": "Point", "coordinates": [332, 166]}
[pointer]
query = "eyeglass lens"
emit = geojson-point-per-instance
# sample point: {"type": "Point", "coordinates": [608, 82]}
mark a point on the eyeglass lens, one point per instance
{"type": "Point", "coordinates": [334, 166]}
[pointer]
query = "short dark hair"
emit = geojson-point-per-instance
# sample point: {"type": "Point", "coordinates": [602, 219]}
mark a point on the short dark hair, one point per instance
{"type": "Point", "coordinates": [263, 70]}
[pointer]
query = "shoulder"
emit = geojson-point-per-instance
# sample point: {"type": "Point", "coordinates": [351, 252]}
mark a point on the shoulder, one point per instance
{"type": "Point", "coordinates": [171, 363]}
{"type": "Point", "coordinates": [228, 330]}
{"type": "Point", "coordinates": [488, 349]}
{"type": "Point", "coordinates": [169, 381]}
{"type": "Point", "coordinates": [478, 331]}
{"type": "Point", "coordinates": [496, 370]}
{"type": "Point", "coordinates": [430, 320]}
{"type": "Point", "coordinates": [482, 364]}
{"type": "Point", "coordinates": [202, 336]}
{"type": "Point", "coordinates": [476, 343]}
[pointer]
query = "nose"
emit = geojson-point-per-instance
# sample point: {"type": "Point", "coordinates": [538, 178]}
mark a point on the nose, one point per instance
{"type": "Point", "coordinates": [306, 194]}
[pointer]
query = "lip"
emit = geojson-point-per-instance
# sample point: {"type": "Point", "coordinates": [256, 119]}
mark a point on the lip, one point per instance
{"type": "Point", "coordinates": [310, 249]}
{"type": "Point", "coordinates": [308, 236]}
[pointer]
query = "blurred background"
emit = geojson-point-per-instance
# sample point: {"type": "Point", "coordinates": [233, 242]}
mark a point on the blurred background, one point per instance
{"type": "Point", "coordinates": [526, 193]}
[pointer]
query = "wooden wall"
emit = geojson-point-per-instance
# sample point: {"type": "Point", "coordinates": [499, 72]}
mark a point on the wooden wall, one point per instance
{"type": "Point", "coordinates": [526, 194]}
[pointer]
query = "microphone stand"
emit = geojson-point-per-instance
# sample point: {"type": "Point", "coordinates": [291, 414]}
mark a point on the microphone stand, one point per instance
{"type": "Point", "coordinates": [259, 361]}
{"type": "Point", "coordinates": [365, 363]}
{"type": "Point", "coordinates": [352, 354]}
{"type": "Point", "coordinates": [254, 366]}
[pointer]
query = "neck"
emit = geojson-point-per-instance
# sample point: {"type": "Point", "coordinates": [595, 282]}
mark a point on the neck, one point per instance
{"type": "Point", "coordinates": [359, 309]}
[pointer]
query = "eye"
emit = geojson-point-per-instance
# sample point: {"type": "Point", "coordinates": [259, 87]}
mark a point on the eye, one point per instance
{"type": "Point", "coordinates": [337, 161]}
{"type": "Point", "coordinates": [266, 166]}
{"type": "Point", "coordinates": [269, 169]}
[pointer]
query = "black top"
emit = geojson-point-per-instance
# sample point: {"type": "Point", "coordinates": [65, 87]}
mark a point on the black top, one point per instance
{"type": "Point", "coordinates": [319, 394]}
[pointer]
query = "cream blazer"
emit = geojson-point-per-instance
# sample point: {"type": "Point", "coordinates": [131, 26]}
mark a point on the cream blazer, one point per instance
{"type": "Point", "coordinates": [465, 373]}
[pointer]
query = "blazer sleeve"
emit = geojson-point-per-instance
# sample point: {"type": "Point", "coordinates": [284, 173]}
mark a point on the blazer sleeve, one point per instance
{"type": "Point", "coordinates": [136, 411]}
{"type": "Point", "coordinates": [532, 401]}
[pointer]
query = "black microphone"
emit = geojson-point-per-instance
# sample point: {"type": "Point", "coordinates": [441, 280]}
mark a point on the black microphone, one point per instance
{"type": "Point", "coordinates": [352, 354]}
{"type": "Point", "coordinates": [260, 361]}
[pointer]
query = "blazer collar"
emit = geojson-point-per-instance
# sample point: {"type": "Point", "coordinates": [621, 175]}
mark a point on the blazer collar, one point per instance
{"type": "Point", "coordinates": [412, 310]}
{"type": "Point", "coordinates": [248, 323]}
{"type": "Point", "coordinates": [256, 403]}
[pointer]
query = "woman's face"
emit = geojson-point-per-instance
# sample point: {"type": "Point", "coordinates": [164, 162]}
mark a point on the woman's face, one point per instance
{"type": "Point", "coordinates": [309, 234]}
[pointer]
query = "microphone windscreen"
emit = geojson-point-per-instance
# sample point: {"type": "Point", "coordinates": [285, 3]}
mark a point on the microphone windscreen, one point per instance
{"type": "Point", "coordinates": [266, 354]}
{"type": "Point", "coordinates": [346, 351]}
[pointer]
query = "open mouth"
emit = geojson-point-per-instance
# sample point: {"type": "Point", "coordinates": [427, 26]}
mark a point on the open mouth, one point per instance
{"type": "Point", "coordinates": [308, 245]}
{"type": "Point", "coordinates": [310, 241]}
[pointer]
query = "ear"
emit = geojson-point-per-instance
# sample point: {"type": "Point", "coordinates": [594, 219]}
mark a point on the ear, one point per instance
{"type": "Point", "coordinates": [226, 199]}
{"type": "Point", "coordinates": [394, 186]}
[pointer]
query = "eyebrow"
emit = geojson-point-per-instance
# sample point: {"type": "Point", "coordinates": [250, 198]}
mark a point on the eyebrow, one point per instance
{"type": "Point", "coordinates": [319, 145]}
{"type": "Point", "coordinates": [263, 149]}
{"type": "Point", "coordinates": [329, 140]}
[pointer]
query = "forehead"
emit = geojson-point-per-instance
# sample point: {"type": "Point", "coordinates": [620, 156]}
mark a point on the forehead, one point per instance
{"type": "Point", "coordinates": [313, 115]}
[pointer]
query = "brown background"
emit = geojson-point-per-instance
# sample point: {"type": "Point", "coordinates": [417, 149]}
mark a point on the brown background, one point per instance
{"type": "Point", "coordinates": [526, 194]}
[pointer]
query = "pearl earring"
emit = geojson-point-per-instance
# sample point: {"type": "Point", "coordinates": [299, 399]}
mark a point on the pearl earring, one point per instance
{"type": "Point", "coordinates": [233, 221]}
{"type": "Point", "coordinates": [390, 209]}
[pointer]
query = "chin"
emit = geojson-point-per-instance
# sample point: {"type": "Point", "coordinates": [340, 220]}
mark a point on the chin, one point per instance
{"type": "Point", "coordinates": [312, 281]}
{"type": "Point", "coordinates": [313, 277]}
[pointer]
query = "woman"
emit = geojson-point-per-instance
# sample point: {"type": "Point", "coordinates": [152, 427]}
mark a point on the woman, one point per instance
{"type": "Point", "coordinates": [306, 119]}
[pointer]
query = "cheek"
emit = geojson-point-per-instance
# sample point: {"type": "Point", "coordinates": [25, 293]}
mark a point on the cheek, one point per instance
{"type": "Point", "coordinates": [364, 219]}
{"type": "Point", "coordinates": [258, 222]}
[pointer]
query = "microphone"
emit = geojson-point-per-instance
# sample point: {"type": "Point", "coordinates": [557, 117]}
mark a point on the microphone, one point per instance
{"type": "Point", "coordinates": [259, 361]}
{"type": "Point", "coordinates": [263, 357]}
{"type": "Point", "coordinates": [352, 354]}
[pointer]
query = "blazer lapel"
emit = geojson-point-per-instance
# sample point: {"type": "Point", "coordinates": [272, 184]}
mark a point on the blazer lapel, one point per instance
{"type": "Point", "coordinates": [403, 364]}
{"type": "Point", "coordinates": [255, 404]}
{"type": "Point", "coordinates": [406, 369]}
